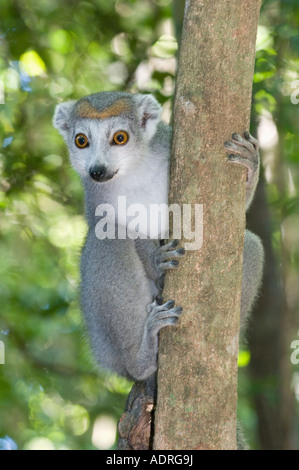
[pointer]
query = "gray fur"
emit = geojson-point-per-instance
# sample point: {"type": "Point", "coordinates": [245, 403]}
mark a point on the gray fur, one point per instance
{"type": "Point", "coordinates": [253, 261]}
{"type": "Point", "coordinates": [121, 279]}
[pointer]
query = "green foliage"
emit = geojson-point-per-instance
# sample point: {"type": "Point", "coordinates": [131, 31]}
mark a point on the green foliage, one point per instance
{"type": "Point", "coordinates": [275, 104]}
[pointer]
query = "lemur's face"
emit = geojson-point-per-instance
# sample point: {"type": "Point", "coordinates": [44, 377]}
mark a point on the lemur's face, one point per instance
{"type": "Point", "coordinates": [105, 148]}
{"type": "Point", "coordinates": [107, 133]}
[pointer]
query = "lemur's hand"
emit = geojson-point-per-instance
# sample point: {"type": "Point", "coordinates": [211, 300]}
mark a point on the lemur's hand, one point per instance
{"type": "Point", "coordinates": [245, 151]}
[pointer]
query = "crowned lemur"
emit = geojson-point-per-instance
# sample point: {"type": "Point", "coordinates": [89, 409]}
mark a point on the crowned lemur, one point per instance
{"type": "Point", "coordinates": [120, 147]}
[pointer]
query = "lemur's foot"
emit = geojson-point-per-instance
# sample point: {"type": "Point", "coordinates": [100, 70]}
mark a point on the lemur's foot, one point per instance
{"type": "Point", "coordinates": [163, 315]}
{"type": "Point", "coordinates": [245, 151]}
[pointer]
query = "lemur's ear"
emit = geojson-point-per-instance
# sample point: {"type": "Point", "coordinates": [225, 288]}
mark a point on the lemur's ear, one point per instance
{"type": "Point", "coordinates": [62, 117]}
{"type": "Point", "coordinates": [149, 111]}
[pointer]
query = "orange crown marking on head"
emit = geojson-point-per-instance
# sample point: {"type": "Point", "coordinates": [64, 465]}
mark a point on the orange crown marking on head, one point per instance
{"type": "Point", "coordinates": [86, 110]}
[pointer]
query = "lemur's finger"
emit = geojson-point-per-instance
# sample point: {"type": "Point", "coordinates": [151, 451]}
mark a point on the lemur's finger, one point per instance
{"type": "Point", "coordinates": [169, 246]}
{"type": "Point", "coordinates": [169, 264]}
{"type": "Point", "coordinates": [235, 147]}
{"type": "Point", "coordinates": [172, 254]}
{"type": "Point", "coordinates": [236, 158]}
{"type": "Point", "coordinates": [251, 139]}
{"type": "Point", "coordinates": [170, 313]}
{"type": "Point", "coordinates": [242, 141]}
{"type": "Point", "coordinates": [156, 303]}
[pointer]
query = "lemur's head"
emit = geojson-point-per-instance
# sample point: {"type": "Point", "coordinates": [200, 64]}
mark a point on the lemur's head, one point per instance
{"type": "Point", "coordinates": [107, 133]}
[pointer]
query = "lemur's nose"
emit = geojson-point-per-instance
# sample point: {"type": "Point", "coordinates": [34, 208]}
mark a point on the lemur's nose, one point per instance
{"type": "Point", "coordinates": [98, 173]}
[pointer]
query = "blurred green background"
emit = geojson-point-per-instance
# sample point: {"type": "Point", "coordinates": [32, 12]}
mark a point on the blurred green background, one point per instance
{"type": "Point", "coordinates": [51, 394]}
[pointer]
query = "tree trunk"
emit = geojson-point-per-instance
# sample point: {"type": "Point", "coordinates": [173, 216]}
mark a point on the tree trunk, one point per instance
{"type": "Point", "coordinates": [197, 375]}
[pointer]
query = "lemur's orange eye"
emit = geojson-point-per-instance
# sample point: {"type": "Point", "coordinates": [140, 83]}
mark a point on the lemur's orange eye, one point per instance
{"type": "Point", "coordinates": [81, 141]}
{"type": "Point", "coordinates": [120, 138]}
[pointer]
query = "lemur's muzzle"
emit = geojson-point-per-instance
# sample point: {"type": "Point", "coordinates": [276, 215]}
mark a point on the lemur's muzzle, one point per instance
{"type": "Point", "coordinates": [99, 173]}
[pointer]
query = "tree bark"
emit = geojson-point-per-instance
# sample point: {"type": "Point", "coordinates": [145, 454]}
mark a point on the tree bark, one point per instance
{"type": "Point", "coordinates": [197, 374]}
